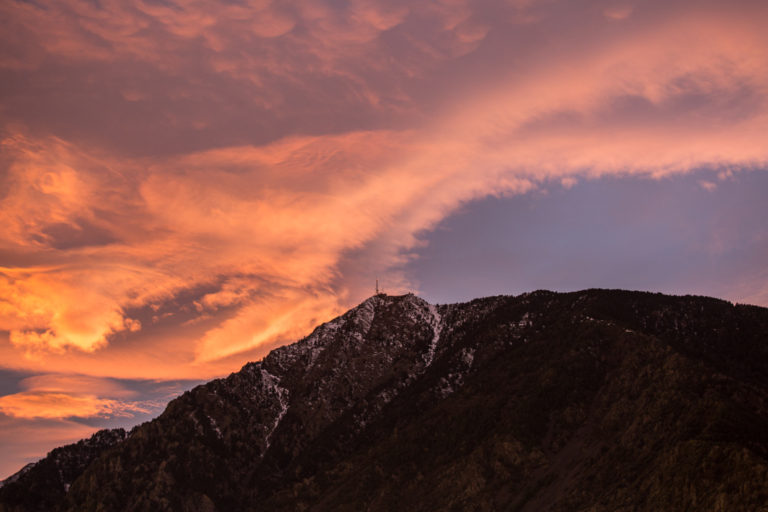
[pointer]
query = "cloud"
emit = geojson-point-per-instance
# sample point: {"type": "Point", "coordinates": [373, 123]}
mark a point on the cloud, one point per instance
{"type": "Point", "coordinates": [265, 65]}
{"type": "Point", "coordinates": [262, 148]}
{"type": "Point", "coordinates": [276, 319]}
{"type": "Point", "coordinates": [75, 384]}
{"type": "Point", "coordinates": [58, 396]}
{"type": "Point", "coordinates": [63, 405]}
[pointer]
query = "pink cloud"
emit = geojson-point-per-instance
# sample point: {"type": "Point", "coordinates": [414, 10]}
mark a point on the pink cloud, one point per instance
{"type": "Point", "coordinates": [53, 405]}
{"type": "Point", "coordinates": [377, 121]}
{"type": "Point", "coordinates": [75, 384]}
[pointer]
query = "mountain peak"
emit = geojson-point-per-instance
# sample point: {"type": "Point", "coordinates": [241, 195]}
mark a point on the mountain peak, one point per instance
{"type": "Point", "coordinates": [593, 400]}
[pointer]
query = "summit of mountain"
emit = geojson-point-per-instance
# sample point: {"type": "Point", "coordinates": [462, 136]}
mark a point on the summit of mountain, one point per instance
{"type": "Point", "coordinates": [594, 400]}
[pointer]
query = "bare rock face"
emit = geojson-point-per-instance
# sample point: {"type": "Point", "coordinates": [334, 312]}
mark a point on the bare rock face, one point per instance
{"type": "Point", "coordinates": [599, 400]}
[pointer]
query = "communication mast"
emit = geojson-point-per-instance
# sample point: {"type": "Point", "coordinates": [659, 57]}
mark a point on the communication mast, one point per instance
{"type": "Point", "coordinates": [377, 286]}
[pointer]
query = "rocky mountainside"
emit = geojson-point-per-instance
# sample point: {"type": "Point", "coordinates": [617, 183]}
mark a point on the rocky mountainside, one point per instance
{"type": "Point", "coordinates": [44, 484]}
{"type": "Point", "coordinates": [599, 400]}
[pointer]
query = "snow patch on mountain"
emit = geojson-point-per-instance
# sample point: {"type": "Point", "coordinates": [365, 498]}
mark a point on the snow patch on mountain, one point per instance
{"type": "Point", "coordinates": [271, 384]}
{"type": "Point", "coordinates": [435, 321]}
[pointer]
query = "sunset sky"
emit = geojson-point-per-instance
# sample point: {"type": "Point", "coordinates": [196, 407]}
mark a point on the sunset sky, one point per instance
{"type": "Point", "coordinates": [185, 185]}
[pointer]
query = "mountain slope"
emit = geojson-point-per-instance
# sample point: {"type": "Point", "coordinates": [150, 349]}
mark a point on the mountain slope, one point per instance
{"type": "Point", "coordinates": [596, 400]}
{"type": "Point", "coordinates": [43, 485]}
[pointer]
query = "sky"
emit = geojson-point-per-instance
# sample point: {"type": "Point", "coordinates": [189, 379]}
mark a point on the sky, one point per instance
{"type": "Point", "coordinates": [187, 185]}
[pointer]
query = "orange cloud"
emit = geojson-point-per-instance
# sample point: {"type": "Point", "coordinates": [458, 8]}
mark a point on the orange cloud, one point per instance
{"type": "Point", "coordinates": [182, 261]}
{"type": "Point", "coordinates": [36, 404]}
{"type": "Point", "coordinates": [75, 384]}
{"type": "Point", "coordinates": [56, 396]}
{"type": "Point", "coordinates": [276, 319]}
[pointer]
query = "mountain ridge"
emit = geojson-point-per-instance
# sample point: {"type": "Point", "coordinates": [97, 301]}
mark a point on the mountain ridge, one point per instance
{"type": "Point", "coordinates": [481, 403]}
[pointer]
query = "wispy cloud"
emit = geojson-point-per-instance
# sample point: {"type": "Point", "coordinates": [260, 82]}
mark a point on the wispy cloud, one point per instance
{"type": "Point", "coordinates": [65, 405]}
{"type": "Point", "coordinates": [184, 185]}
{"type": "Point", "coordinates": [56, 396]}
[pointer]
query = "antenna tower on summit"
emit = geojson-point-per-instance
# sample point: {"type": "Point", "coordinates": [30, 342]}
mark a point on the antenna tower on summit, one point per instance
{"type": "Point", "coordinates": [377, 286]}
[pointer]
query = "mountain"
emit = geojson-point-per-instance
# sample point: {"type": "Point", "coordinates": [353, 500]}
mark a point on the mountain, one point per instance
{"type": "Point", "coordinates": [600, 400]}
{"type": "Point", "coordinates": [44, 484]}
